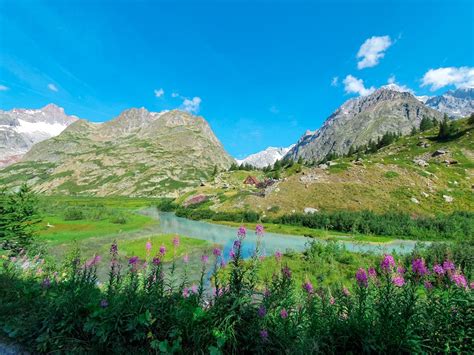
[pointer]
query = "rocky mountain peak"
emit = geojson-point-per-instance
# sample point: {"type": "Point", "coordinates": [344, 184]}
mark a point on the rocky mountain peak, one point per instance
{"type": "Point", "coordinates": [455, 103]}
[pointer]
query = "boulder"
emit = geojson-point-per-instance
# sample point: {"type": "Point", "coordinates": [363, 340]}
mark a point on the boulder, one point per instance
{"type": "Point", "coordinates": [310, 210]}
{"type": "Point", "coordinates": [438, 153]}
{"type": "Point", "coordinates": [421, 162]}
{"type": "Point", "coordinates": [323, 166]}
{"type": "Point", "coordinates": [448, 198]}
{"type": "Point", "coordinates": [414, 200]}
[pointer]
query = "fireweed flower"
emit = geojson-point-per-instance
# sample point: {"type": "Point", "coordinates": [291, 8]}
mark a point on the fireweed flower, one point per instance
{"type": "Point", "coordinates": [308, 287]}
{"type": "Point", "coordinates": [264, 334]}
{"type": "Point", "coordinates": [186, 258]}
{"type": "Point", "coordinates": [232, 254]}
{"type": "Point", "coordinates": [459, 280]}
{"type": "Point", "coordinates": [448, 265]}
{"type": "Point", "coordinates": [162, 250]}
{"type": "Point", "coordinates": [262, 311]}
{"type": "Point", "coordinates": [332, 300]}
{"type": "Point", "coordinates": [185, 292]}
{"type": "Point", "coordinates": [114, 248]}
{"type": "Point", "coordinates": [346, 292]}
{"type": "Point", "coordinates": [242, 232]}
{"type": "Point", "coordinates": [104, 303]}
{"type": "Point", "coordinates": [176, 241]}
{"type": "Point", "coordinates": [398, 280]}
{"type": "Point", "coordinates": [372, 272]}
{"type": "Point", "coordinates": [237, 244]}
{"type": "Point", "coordinates": [361, 277]}
{"type": "Point", "coordinates": [156, 261]}
{"type": "Point", "coordinates": [438, 269]}
{"type": "Point", "coordinates": [148, 246]}
{"type": "Point", "coordinates": [418, 267]}
{"type": "Point", "coordinates": [400, 269]}
{"type": "Point", "coordinates": [286, 272]}
{"type": "Point", "coordinates": [283, 313]}
{"type": "Point", "coordinates": [204, 259]}
{"type": "Point", "coordinates": [387, 262]}
{"type": "Point", "coordinates": [216, 252]}
{"type": "Point", "coordinates": [259, 230]}
{"type": "Point", "coordinates": [133, 260]}
{"type": "Point", "coordinates": [278, 256]}
{"type": "Point", "coordinates": [194, 289]}
{"type": "Point", "coordinates": [428, 285]}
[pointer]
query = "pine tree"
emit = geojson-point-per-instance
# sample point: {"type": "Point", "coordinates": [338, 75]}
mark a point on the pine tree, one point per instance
{"type": "Point", "coordinates": [18, 219]}
{"type": "Point", "coordinates": [471, 119]}
{"type": "Point", "coordinates": [426, 124]}
{"type": "Point", "coordinates": [445, 129]}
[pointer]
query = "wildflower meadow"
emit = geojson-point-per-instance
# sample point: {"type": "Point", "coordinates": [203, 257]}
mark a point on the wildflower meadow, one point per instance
{"type": "Point", "coordinates": [148, 306]}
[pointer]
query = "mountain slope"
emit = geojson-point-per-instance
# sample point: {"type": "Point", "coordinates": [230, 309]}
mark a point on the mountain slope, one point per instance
{"type": "Point", "coordinates": [361, 119]}
{"type": "Point", "coordinates": [417, 174]}
{"type": "Point", "coordinates": [457, 103]}
{"type": "Point", "coordinates": [21, 128]}
{"type": "Point", "coordinates": [139, 153]}
{"type": "Point", "coordinates": [266, 157]}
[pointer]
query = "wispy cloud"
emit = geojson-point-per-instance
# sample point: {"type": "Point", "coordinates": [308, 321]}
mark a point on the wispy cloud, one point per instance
{"type": "Point", "coordinates": [192, 105]}
{"type": "Point", "coordinates": [352, 85]}
{"type": "Point", "coordinates": [174, 94]}
{"type": "Point", "coordinates": [335, 81]}
{"type": "Point", "coordinates": [372, 50]}
{"type": "Point", "coordinates": [462, 77]}
{"type": "Point", "coordinates": [393, 85]}
{"type": "Point", "coordinates": [52, 87]}
{"type": "Point", "coordinates": [159, 92]}
{"type": "Point", "coordinates": [4, 88]}
{"type": "Point", "coordinates": [273, 109]}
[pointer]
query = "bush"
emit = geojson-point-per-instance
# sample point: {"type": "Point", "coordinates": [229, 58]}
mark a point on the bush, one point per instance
{"type": "Point", "coordinates": [74, 214]}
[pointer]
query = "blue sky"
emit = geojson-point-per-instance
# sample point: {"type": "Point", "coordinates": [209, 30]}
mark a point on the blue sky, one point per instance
{"type": "Point", "coordinates": [260, 72]}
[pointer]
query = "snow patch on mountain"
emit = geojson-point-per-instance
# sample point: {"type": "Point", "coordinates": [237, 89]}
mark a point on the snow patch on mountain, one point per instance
{"type": "Point", "coordinates": [266, 157]}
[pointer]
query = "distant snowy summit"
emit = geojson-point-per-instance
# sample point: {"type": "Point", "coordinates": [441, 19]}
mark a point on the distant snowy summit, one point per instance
{"type": "Point", "coordinates": [455, 103]}
{"type": "Point", "coordinates": [266, 157]}
{"type": "Point", "coordinates": [21, 128]}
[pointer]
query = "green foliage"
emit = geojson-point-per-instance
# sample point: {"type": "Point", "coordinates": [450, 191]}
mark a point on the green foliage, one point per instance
{"type": "Point", "coordinates": [446, 129]}
{"type": "Point", "coordinates": [426, 124]}
{"type": "Point", "coordinates": [74, 214]}
{"type": "Point", "coordinates": [471, 119]}
{"type": "Point", "coordinates": [199, 214]}
{"type": "Point", "coordinates": [453, 226]}
{"type": "Point", "coordinates": [391, 174]}
{"type": "Point", "coordinates": [18, 219]}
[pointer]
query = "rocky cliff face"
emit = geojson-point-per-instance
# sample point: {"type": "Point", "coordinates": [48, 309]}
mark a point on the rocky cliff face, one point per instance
{"type": "Point", "coordinates": [139, 153]}
{"type": "Point", "coordinates": [457, 103]}
{"type": "Point", "coordinates": [361, 119]}
{"type": "Point", "coordinates": [21, 128]}
{"type": "Point", "coordinates": [266, 157]}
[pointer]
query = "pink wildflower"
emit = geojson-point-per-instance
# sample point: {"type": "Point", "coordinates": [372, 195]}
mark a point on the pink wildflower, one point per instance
{"type": "Point", "coordinates": [259, 230]}
{"type": "Point", "coordinates": [176, 241]}
{"type": "Point", "coordinates": [398, 280]}
{"type": "Point", "coordinates": [387, 262]}
{"type": "Point", "coordinates": [284, 313]}
{"type": "Point", "coordinates": [242, 232]}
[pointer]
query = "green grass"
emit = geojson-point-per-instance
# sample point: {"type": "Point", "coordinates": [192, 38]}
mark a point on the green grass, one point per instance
{"type": "Point", "coordinates": [188, 245]}
{"type": "Point", "coordinates": [68, 231]}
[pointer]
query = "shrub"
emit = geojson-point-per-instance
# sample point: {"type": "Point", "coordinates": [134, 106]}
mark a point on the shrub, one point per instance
{"type": "Point", "coordinates": [74, 214]}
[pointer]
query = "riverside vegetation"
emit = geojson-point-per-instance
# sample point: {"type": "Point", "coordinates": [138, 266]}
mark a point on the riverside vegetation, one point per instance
{"type": "Point", "coordinates": [324, 300]}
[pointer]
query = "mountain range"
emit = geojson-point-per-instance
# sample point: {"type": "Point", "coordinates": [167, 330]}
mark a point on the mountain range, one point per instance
{"type": "Point", "coordinates": [143, 153]}
{"type": "Point", "coordinates": [266, 157]}
{"type": "Point", "coordinates": [20, 129]}
{"type": "Point", "coordinates": [138, 153]}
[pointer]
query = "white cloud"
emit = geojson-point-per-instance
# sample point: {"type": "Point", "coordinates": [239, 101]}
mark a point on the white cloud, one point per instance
{"type": "Point", "coordinates": [52, 87]}
{"type": "Point", "coordinates": [274, 110]}
{"type": "Point", "coordinates": [159, 92]}
{"type": "Point", "coordinates": [3, 88]}
{"type": "Point", "coordinates": [354, 85]}
{"type": "Point", "coordinates": [192, 105]}
{"type": "Point", "coordinates": [462, 77]}
{"type": "Point", "coordinates": [372, 50]}
{"type": "Point", "coordinates": [335, 81]}
{"type": "Point", "coordinates": [393, 85]}
{"type": "Point", "coordinates": [174, 94]}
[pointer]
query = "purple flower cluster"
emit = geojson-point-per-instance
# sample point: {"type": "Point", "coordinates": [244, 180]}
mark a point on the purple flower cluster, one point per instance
{"type": "Point", "coordinates": [217, 252]}
{"type": "Point", "coordinates": [283, 313]}
{"type": "Point", "coordinates": [448, 266]}
{"type": "Point", "coordinates": [242, 232]}
{"type": "Point", "coordinates": [259, 230]}
{"type": "Point", "coordinates": [262, 311]}
{"type": "Point", "coordinates": [176, 241]}
{"type": "Point", "coordinates": [278, 256]}
{"type": "Point", "coordinates": [459, 280]}
{"type": "Point", "coordinates": [162, 250]}
{"type": "Point", "coordinates": [438, 269]}
{"type": "Point", "coordinates": [361, 277]}
{"type": "Point", "coordinates": [387, 262]}
{"type": "Point", "coordinates": [308, 287]}
{"type": "Point", "coordinates": [418, 267]}
{"type": "Point", "coordinates": [204, 259]}
{"type": "Point", "coordinates": [398, 280]}
{"type": "Point", "coordinates": [133, 260]}
{"type": "Point", "coordinates": [286, 272]}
